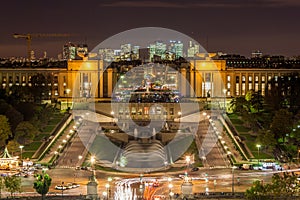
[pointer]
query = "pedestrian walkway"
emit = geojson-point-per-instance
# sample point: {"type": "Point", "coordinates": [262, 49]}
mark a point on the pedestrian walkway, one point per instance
{"type": "Point", "coordinates": [59, 143]}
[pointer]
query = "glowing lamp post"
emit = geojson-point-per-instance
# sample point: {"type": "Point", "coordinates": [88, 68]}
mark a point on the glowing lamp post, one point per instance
{"type": "Point", "coordinates": [188, 160]}
{"type": "Point", "coordinates": [21, 148]}
{"type": "Point", "coordinates": [258, 147]}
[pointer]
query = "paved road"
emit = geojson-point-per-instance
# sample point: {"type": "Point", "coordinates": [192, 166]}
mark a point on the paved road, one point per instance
{"type": "Point", "coordinates": [218, 180]}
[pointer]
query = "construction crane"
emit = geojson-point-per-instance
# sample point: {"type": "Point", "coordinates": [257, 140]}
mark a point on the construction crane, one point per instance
{"type": "Point", "coordinates": [29, 37]}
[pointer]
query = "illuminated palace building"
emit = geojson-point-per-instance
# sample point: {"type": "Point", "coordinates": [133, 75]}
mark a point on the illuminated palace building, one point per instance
{"type": "Point", "coordinates": [209, 75]}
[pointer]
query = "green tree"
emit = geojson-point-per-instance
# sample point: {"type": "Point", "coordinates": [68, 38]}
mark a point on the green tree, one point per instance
{"type": "Point", "coordinates": [12, 184]}
{"type": "Point", "coordinates": [1, 185]}
{"type": "Point", "coordinates": [256, 101]}
{"type": "Point", "coordinates": [257, 191]}
{"type": "Point", "coordinates": [282, 185]}
{"type": "Point", "coordinates": [5, 131]}
{"type": "Point", "coordinates": [282, 124]}
{"type": "Point", "coordinates": [239, 105]}
{"type": "Point", "coordinates": [13, 146]}
{"type": "Point", "coordinates": [42, 184]}
{"type": "Point", "coordinates": [25, 132]}
{"type": "Point", "coordinates": [266, 138]}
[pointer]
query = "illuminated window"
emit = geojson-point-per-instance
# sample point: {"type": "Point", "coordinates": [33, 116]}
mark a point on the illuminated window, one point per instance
{"type": "Point", "coordinates": [243, 88]}
{"type": "Point", "coordinates": [269, 77]}
{"type": "Point", "coordinates": [256, 87]}
{"type": "Point", "coordinates": [133, 110]}
{"type": "Point", "coordinates": [228, 86]}
{"type": "Point", "coordinates": [146, 110]}
{"type": "Point", "coordinates": [256, 78]}
{"type": "Point", "coordinates": [243, 78]}
{"type": "Point", "coordinates": [250, 86]}
{"type": "Point", "coordinates": [140, 111]}
{"type": "Point", "coordinates": [250, 78]}
{"type": "Point", "coordinates": [237, 89]}
{"type": "Point", "coordinates": [263, 85]}
{"type": "Point", "coordinates": [228, 78]}
{"type": "Point", "coordinates": [263, 78]}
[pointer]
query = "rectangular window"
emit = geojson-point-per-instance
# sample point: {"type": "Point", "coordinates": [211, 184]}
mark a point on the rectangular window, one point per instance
{"type": "Point", "coordinates": [228, 78]}
{"type": "Point", "coordinates": [256, 87]}
{"type": "Point", "coordinates": [269, 77]}
{"type": "Point", "coordinates": [263, 78]}
{"type": "Point", "coordinates": [146, 110]}
{"type": "Point", "coordinates": [243, 88]}
{"type": "Point", "coordinates": [263, 89]}
{"type": "Point", "coordinates": [250, 86]}
{"type": "Point", "coordinates": [243, 78]}
{"type": "Point", "coordinates": [237, 89]}
{"type": "Point", "coordinates": [158, 110]}
{"type": "Point", "coordinates": [256, 78]}
{"type": "Point", "coordinates": [228, 86]}
{"type": "Point", "coordinates": [237, 79]}
{"type": "Point", "coordinates": [250, 78]}
{"type": "Point", "coordinates": [133, 110]}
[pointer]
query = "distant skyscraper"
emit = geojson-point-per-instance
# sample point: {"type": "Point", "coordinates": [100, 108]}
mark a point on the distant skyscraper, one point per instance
{"type": "Point", "coordinates": [135, 51]}
{"type": "Point", "coordinates": [158, 49]}
{"type": "Point", "coordinates": [69, 51]}
{"type": "Point", "coordinates": [176, 47]}
{"type": "Point", "coordinates": [125, 48]}
{"type": "Point", "coordinates": [108, 54]}
{"type": "Point", "coordinates": [193, 49]}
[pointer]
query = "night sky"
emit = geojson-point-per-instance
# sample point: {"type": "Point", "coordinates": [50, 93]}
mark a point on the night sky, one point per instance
{"type": "Point", "coordinates": [230, 26]}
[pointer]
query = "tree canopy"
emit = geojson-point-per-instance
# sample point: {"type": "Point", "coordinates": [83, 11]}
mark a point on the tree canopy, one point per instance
{"type": "Point", "coordinates": [42, 184]}
{"type": "Point", "coordinates": [282, 185]}
{"type": "Point", "coordinates": [5, 131]}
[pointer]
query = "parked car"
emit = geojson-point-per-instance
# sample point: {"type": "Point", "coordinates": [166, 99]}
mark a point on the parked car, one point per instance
{"type": "Point", "coordinates": [69, 186]}
{"type": "Point", "coordinates": [75, 185]}
{"type": "Point", "coordinates": [195, 169]}
{"type": "Point", "coordinates": [60, 187]}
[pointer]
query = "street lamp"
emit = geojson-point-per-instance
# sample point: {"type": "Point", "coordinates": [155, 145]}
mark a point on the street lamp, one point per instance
{"type": "Point", "coordinates": [233, 168]}
{"type": "Point", "coordinates": [188, 160]}
{"type": "Point", "coordinates": [92, 166]}
{"type": "Point", "coordinates": [258, 147]}
{"type": "Point", "coordinates": [21, 147]}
